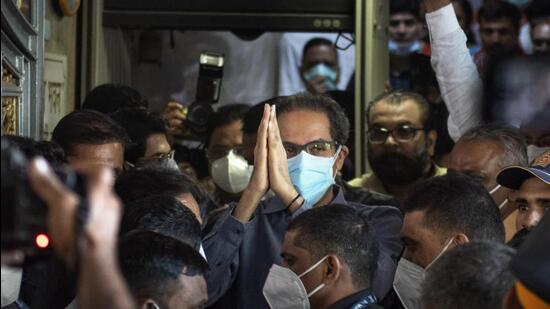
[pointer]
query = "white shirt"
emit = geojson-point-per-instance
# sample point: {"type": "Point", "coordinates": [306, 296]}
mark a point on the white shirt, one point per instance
{"type": "Point", "coordinates": [290, 59]}
{"type": "Point", "coordinates": [457, 75]}
{"type": "Point", "coordinates": [249, 70]}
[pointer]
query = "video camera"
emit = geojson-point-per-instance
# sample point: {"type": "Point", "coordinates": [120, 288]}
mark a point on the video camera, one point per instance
{"type": "Point", "coordinates": [23, 212]}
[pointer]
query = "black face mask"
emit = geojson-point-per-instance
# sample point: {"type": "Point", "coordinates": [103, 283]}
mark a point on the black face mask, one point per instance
{"type": "Point", "coordinates": [398, 169]}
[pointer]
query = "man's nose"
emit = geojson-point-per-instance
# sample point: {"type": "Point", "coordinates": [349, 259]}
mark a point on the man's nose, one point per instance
{"type": "Point", "coordinates": [495, 37]}
{"type": "Point", "coordinates": [390, 141]}
{"type": "Point", "coordinates": [402, 28]}
{"type": "Point", "coordinates": [532, 220]}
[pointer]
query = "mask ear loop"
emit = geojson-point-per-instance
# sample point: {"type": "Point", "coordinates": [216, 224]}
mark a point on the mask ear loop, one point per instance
{"type": "Point", "coordinates": [449, 242]}
{"type": "Point", "coordinates": [322, 285]}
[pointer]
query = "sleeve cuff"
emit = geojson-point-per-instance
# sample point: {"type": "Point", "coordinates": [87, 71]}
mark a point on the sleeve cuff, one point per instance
{"type": "Point", "coordinates": [442, 22]}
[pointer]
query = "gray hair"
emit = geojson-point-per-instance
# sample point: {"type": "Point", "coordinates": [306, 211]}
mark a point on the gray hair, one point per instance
{"type": "Point", "coordinates": [510, 139]}
{"type": "Point", "coordinates": [474, 275]}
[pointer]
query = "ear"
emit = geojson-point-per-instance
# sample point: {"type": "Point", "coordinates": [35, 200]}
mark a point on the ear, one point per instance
{"type": "Point", "coordinates": [333, 270]}
{"type": "Point", "coordinates": [339, 163]}
{"type": "Point", "coordinates": [431, 138]}
{"type": "Point", "coordinates": [461, 239]}
{"type": "Point", "coordinates": [149, 304]}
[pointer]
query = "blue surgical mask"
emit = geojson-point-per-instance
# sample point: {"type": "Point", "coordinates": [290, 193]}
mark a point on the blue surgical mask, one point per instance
{"type": "Point", "coordinates": [403, 49]}
{"type": "Point", "coordinates": [324, 70]}
{"type": "Point", "coordinates": [312, 176]}
{"type": "Point", "coordinates": [520, 3]}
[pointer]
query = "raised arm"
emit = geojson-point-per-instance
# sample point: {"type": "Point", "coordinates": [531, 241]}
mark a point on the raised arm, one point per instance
{"type": "Point", "coordinates": [457, 75]}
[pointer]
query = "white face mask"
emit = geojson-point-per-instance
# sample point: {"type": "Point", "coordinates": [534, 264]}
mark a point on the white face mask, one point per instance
{"type": "Point", "coordinates": [231, 173]}
{"type": "Point", "coordinates": [283, 288]}
{"type": "Point", "coordinates": [408, 280]}
{"type": "Point", "coordinates": [11, 283]}
{"type": "Point", "coordinates": [495, 189]}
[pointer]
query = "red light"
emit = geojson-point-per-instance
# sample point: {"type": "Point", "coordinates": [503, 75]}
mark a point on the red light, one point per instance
{"type": "Point", "coordinates": [42, 241]}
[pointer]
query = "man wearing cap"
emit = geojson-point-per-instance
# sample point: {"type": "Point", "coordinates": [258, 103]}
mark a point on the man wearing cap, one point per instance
{"type": "Point", "coordinates": [533, 190]}
{"type": "Point", "coordinates": [532, 268]}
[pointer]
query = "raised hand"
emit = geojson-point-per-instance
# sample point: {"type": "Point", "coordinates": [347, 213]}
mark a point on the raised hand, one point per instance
{"type": "Point", "coordinates": [105, 210]}
{"type": "Point", "coordinates": [259, 181]}
{"type": "Point", "coordinates": [174, 115]}
{"type": "Point", "coordinates": [279, 178]}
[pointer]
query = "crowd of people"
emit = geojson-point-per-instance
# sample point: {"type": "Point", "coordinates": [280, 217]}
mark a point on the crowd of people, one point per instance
{"type": "Point", "coordinates": [453, 213]}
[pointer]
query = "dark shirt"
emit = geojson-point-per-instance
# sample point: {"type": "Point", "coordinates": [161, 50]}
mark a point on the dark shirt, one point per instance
{"type": "Point", "coordinates": [47, 284]}
{"type": "Point", "coordinates": [352, 300]}
{"type": "Point", "coordinates": [241, 254]}
{"type": "Point", "coordinates": [392, 301]}
{"type": "Point", "coordinates": [366, 197]}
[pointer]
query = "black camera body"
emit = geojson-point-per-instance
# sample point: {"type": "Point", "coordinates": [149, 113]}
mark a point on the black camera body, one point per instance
{"type": "Point", "coordinates": [23, 212]}
{"type": "Point", "coordinates": [209, 87]}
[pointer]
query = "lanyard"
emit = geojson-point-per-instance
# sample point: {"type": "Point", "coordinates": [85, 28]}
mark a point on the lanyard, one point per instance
{"type": "Point", "coordinates": [365, 301]}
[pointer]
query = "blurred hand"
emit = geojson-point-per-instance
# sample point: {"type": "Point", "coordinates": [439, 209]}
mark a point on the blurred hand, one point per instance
{"type": "Point", "coordinates": [279, 178]}
{"type": "Point", "coordinates": [101, 227]}
{"type": "Point", "coordinates": [175, 116]}
{"type": "Point", "coordinates": [316, 85]}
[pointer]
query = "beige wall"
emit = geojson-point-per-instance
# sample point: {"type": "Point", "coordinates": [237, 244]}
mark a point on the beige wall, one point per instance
{"type": "Point", "coordinates": [62, 40]}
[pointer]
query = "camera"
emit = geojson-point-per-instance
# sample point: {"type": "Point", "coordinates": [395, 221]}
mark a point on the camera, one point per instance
{"type": "Point", "coordinates": [23, 212]}
{"type": "Point", "coordinates": [209, 86]}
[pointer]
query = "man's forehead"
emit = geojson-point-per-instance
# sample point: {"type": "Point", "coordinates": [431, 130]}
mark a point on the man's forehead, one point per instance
{"type": "Point", "coordinates": [413, 220]}
{"type": "Point", "coordinates": [304, 126]}
{"type": "Point", "coordinates": [402, 16]}
{"type": "Point", "coordinates": [475, 153]}
{"type": "Point", "coordinates": [496, 24]}
{"type": "Point", "coordinates": [406, 111]}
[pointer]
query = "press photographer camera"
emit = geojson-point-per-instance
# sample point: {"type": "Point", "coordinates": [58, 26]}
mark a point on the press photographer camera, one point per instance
{"type": "Point", "coordinates": [23, 212]}
{"type": "Point", "coordinates": [209, 86]}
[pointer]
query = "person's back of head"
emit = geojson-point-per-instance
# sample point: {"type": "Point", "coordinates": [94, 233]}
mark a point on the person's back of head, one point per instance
{"type": "Point", "coordinates": [162, 271]}
{"type": "Point", "coordinates": [51, 151]}
{"type": "Point", "coordinates": [475, 275]}
{"type": "Point", "coordinates": [140, 125]}
{"type": "Point", "coordinates": [330, 233]}
{"type": "Point", "coordinates": [137, 184]}
{"type": "Point", "coordinates": [108, 98]}
{"type": "Point", "coordinates": [456, 203]}
{"type": "Point", "coordinates": [140, 183]}
{"type": "Point", "coordinates": [162, 214]}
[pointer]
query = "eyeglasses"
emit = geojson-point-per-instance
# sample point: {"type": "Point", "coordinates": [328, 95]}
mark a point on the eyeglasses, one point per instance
{"type": "Point", "coordinates": [402, 134]}
{"type": "Point", "coordinates": [144, 161]}
{"type": "Point", "coordinates": [319, 148]}
{"type": "Point", "coordinates": [158, 156]}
